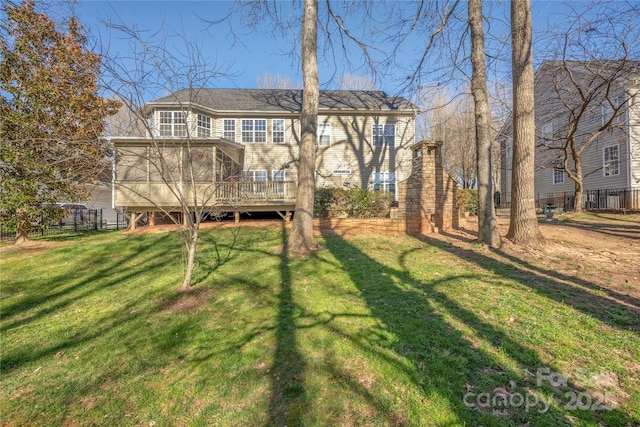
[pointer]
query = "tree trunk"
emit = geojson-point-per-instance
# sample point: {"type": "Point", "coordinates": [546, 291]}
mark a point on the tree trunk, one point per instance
{"type": "Point", "coordinates": [22, 234]}
{"type": "Point", "coordinates": [487, 226]}
{"type": "Point", "coordinates": [577, 200]}
{"type": "Point", "coordinates": [192, 247]}
{"type": "Point", "coordinates": [523, 227]}
{"type": "Point", "coordinates": [301, 238]}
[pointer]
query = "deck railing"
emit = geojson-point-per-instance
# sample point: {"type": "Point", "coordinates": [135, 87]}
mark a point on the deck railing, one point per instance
{"type": "Point", "coordinates": [255, 192]}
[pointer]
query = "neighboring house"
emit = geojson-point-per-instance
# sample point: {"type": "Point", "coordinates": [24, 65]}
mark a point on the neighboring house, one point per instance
{"type": "Point", "coordinates": [245, 143]}
{"type": "Point", "coordinates": [594, 105]}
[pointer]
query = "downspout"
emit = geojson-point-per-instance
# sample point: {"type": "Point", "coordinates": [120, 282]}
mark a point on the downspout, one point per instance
{"type": "Point", "coordinates": [113, 176]}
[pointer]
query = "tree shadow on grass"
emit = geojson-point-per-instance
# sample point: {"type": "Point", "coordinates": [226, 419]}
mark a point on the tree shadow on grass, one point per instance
{"type": "Point", "coordinates": [56, 292]}
{"type": "Point", "coordinates": [287, 404]}
{"type": "Point", "coordinates": [615, 309]}
{"type": "Point", "coordinates": [454, 354]}
{"type": "Point", "coordinates": [614, 229]}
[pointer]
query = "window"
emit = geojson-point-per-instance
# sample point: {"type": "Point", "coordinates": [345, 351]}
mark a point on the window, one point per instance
{"type": "Point", "coordinates": [229, 129]}
{"type": "Point", "coordinates": [277, 131]}
{"type": "Point", "coordinates": [611, 160]}
{"type": "Point", "coordinates": [254, 130]}
{"type": "Point", "coordinates": [610, 107]}
{"type": "Point", "coordinates": [558, 176]}
{"type": "Point", "coordinates": [204, 126]}
{"type": "Point", "coordinates": [257, 187]}
{"type": "Point", "coordinates": [172, 123]}
{"type": "Point", "coordinates": [324, 134]}
{"type": "Point", "coordinates": [547, 132]}
{"type": "Point", "coordinates": [384, 135]}
{"type": "Point", "coordinates": [254, 175]}
{"type": "Point", "coordinates": [385, 181]}
{"type": "Point", "coordinates": [278, 187]}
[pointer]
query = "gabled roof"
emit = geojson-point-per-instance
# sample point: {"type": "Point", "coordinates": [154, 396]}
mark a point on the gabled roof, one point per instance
{"type": "Point", "coordinates": [284, 100]}
{"type": "Point", "coordinates": [622, 70]}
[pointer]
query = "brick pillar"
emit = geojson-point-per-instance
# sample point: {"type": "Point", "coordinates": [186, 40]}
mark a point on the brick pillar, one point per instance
{"type": "Point", "coordinates": [427, 198]}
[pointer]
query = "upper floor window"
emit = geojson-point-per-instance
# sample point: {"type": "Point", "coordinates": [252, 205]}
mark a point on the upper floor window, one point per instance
{"type": "Point", "coordinates": [173, 123]}
{"type": "Point", "coordinates": [558, 176]}
{"type": "Point", "coordinates": [324, 134]}
{"type": "Point", "coordinates": [384, 135]}
{"type": "Point", "coordinates": [229, 129]}
{"type": "Point", "coordinates": [254, 130]}
{"type": "Point", "coordinates": [277, 131]}
{"type": "Point", "coordinates": [204, 126]}
{"type": "Point", "coordinates": [547, 132]}
{"type": "Point", "coordinates": [611, 107]}
{"type": "Point", "coordinates": [611, 160]}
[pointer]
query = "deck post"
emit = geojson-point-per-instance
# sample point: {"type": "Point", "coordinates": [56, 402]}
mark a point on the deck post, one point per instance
{"type": "Point", "coordinates": [236, 215]}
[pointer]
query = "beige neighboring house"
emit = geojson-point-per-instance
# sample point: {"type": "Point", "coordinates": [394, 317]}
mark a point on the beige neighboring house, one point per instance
{"type": "Point", "coordinates": [245, 142]}
{"type": "Point", "coordinates": [595, 102]}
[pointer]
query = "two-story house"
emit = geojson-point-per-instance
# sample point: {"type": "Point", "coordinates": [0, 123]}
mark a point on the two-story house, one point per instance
{"type": "Point", "coordinates": [238, 148]}
{"type": "Point", "coordinates": [588, 111]}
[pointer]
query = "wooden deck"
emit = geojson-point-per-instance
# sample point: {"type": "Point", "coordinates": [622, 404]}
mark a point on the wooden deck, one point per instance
{"type": "Point", "coordinates": [245, 196]}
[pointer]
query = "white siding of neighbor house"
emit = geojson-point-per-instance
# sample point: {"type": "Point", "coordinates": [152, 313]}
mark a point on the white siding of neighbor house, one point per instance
{"type": "Point", "coordinates": [634, 138]}
{"type": "Point", "coordinates": [549, 110]}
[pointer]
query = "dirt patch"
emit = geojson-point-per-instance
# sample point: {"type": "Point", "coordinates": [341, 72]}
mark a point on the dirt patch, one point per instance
{"type": "Point", "coordinates": [600, 250]}
{"type": "Point", "coordinates": [186, 301]}
{"type": "Point", "coordinates": [32, 247]}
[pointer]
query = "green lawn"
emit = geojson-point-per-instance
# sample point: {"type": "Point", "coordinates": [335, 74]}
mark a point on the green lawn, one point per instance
{"type": "Point", "coordinates": [388, 330]}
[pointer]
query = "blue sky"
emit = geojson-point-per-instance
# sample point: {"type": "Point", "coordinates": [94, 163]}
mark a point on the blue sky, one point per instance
{"type": "Point", "coordinates": [252, 53]}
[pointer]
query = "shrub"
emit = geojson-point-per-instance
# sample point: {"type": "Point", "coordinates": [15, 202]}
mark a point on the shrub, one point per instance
{"type": "Point", "coordinates": [355, 202]}
{"type": "Point", "coordinates": [467, 200]}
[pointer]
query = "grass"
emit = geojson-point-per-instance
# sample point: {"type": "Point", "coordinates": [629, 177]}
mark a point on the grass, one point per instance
{"type": "Point", "coordinates": [369, 331]}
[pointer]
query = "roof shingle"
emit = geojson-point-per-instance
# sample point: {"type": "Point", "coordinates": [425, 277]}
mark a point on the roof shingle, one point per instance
{"type": "Point", "coordinates": [285, 100]}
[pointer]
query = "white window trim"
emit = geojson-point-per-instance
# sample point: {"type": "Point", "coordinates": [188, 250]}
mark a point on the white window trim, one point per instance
{"type": "Point", "coordinates": [274, 173]}
{"type": "Point", "coordinates": [553, 175]}
{"type": "Point", "coordinates": [172, 123]}
{"type": "Point", "coordinates": [253, 131]}
{"type": "Point", "coordinates": [605, 163]}
{"type": "Point", "coordinates": [382, 183]}
{"type": "Point", "coordinates": [235, 129]}
{"type": "Point", "coordinates": [384, 135]}
{"type": "Point", "coordinates": [546, 131]}
{"type": "Point", "coordinates": [324, 127]}
{"type": "Point", "coordinates": [607, 110]}
{"type": "Point", "coordinates": [284, 131]}
{"type": "Point", "coordinates": [253, 175]}
{"type": "Point", "coordinates": [199, 127]}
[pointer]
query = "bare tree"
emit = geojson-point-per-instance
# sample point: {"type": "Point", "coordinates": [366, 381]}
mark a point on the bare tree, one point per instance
{"type": "Point", "coordinates": [452, 122]}
{"type": "Point", "coordinates": [487, 226]}
{"type": "Point", "coordinates": [585, 94]}
{"type": "Point", "coordinates": [523, 226]}
{"type": "Point", "coordinates": [300, 240]}
{"type": "Point", "coordinates": [182, 167]}
{"type": "Point", "coordinates": [275, 81]}
{"type": "Point", "coordinates": [356, 82]}
{"type": "Point", "coordinates": [590, 102]}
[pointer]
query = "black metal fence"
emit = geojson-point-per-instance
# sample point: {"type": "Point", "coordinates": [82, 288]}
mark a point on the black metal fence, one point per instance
{"type": "Point", "coordinates": [615, 200]}
{"type": "Point", "coordinates": [75, 220]}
